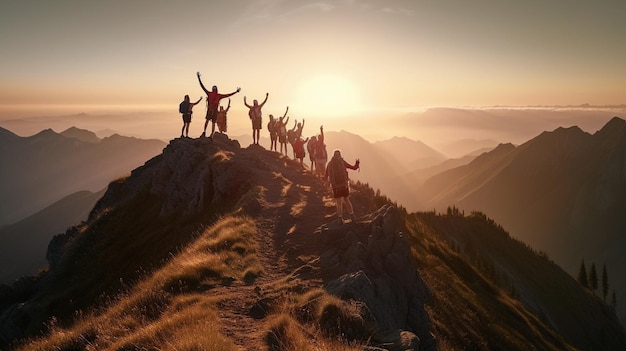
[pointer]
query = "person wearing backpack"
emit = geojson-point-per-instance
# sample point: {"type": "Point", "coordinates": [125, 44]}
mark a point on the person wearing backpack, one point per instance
{"type": "Point", "coordinates": [272, 127]}
{"type": "Point", "coordinates": [337, 174]}
{"type": "Point", "coordinates": [256, 117]}
{"type": "Point", "coordinates": [310, 147]}
{"type": "Point", "coordinates": [185, 107]}
{"type": "Point", "coordinates": [321, 157]}
{"type": "Point", "coordinates": [281, 126]}
{"type": "Point", "coordinates": [213, 102]}
{"type": "Point", "coordinates": [298, 149]}
{"type": "Point", "coordinates": [222, 125]}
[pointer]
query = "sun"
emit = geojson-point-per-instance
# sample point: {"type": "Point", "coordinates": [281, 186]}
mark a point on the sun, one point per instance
{"type": "Point", "coordinates": [327, 95]}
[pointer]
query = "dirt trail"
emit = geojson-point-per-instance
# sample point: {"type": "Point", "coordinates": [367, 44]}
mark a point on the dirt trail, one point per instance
{"type": "Point", "coordinates": [293, 204]}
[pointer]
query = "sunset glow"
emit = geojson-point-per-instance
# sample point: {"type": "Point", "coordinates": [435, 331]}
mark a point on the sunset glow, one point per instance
{"type": "Point", "coordinates": [327, 95]}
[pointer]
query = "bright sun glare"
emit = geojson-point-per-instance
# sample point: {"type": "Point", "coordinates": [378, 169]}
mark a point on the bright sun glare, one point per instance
{"type": "Point", "coordinates": [327, 95]}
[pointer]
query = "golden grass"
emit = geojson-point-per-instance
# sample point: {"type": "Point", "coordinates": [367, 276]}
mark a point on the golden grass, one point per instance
{"type": "Point", "coordinates": [154, 315]}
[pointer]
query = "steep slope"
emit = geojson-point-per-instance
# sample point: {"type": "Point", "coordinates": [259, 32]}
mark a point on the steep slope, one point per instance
{"type": "Point", "coordinates": [211, 246]}
{"type": "Point", "coordinates": [23, 244]}
{"type": "Point", "coordinates": [41, 169]}
{"type": "Point", "coordinates": [562, 192]}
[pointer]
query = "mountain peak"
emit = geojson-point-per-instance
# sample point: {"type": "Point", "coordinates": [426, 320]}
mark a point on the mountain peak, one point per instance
{"type": "Point", "coordinates": [80, 134]}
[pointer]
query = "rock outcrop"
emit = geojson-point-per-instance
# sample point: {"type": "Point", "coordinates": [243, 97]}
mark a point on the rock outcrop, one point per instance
{"type": "Point", "coordinates": [371, 262]}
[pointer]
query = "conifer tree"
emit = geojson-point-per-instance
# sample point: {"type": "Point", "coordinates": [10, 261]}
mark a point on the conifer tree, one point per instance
{"type": "Point", "coordinates": [613, 299]}
{"type": "Point", "coordinates": [605, 283]}
{"type": "Point", "coordinates": [593, 278]}
{"type": "Point", "coordinates": [582, 275]}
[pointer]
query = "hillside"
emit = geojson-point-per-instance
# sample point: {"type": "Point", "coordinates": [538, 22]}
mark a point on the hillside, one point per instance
{"type": "Point", "coordinates": [562, 192]}
{"type": "Point", "coordinates": [23, 244]}
{"type": "Point", "coordinates": [43, 168]}
{"type": "Point", "coordinates": [213, 246]}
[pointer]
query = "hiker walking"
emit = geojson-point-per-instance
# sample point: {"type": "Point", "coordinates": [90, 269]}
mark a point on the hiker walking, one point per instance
{"type": "Point", "coordinates": [272, 127]}
{"type": "Point", "coordinates": [256, 117]}
{"type": "Point", "coordinates": [336, 172]}
{"type": "Point", "coordinates": [213, 101]}
{"type": "Point", "coordinates": [185, 108]}
{"type": "Point", "coordinates": [281, 125]}
{"type": "Point", "coordinates": [310, 147]}
{"type": "Point", "coordinates": [222, 125]}
{"type": "Point", "coordinates": [321, 157]}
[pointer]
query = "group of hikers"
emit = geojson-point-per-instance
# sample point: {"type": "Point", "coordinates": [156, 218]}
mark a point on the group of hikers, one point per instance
{"type": "Point", "coordinates": [334, 170]}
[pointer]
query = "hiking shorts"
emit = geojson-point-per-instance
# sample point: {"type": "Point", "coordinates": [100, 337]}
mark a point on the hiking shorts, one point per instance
{"type": "Point", "coordinates": [211, 115]}
{"type": "Point", "coordinates": [273, 136]}
{"type": "Point", "coordinates": [257, 123]}
{"type": "Point", "coordinates": [187, 117]}
{"type": "Point", "coordinates": [341, 191]}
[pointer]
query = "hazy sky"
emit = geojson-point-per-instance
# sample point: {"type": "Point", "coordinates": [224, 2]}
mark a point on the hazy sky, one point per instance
{"type": "Point", "coordinates": [339, 57]}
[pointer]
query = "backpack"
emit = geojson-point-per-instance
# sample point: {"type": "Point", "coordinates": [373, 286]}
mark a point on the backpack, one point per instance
{"type": "Point", "coordinates": [337, 172]}
{"type": "Point", "coordinates": [183, 107]}
{"type": "Point", "coordinates": [271, 126]}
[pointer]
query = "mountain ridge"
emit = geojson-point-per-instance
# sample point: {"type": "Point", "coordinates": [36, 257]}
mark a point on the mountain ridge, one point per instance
{"type": "Point", "coordinates": [248, 235]}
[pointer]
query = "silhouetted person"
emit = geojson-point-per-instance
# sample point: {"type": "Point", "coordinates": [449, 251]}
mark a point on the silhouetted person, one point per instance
{"type": "Point", "coordinates": [213, 102]}
{"type": "Point", "coordinates": [336, 172]}
{"type": "Point", "coordinates": [222, 125]}
{"type": "Point", "coordinates": [291, 137]}
{"type": "Point", "coordinates": [310, 147]}
{"type": "Point", "coordinates": [298, 149]}
{"type": "Point", "coordinates": [256, 117]}
{"type": "Point", "coordinates": [187, 106]}
{"type": "Point", "coordinates": [272, 127]}
{"type": "Point", "coordinates": [321, 157]}
{"type": "Point", "coordinates": [281, 124]}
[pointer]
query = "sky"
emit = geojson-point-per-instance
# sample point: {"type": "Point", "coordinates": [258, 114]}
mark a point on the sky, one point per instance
{"type": "Point", "coordinates": [326, 60]}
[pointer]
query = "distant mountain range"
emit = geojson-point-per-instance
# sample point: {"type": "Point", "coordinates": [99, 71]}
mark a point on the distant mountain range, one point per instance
{"type": "Point", "coordinates": [23, 244]}
{"type": "Point", "coordinates": [562, 192]}
{"type": "Point", "coordinates": [41, 169]}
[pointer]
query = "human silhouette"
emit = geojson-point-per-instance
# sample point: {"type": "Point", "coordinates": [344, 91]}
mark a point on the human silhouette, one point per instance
{"type": "Point", "coordinates": [336, 172]}
{"type": "Point", "coordinates": [256, 117]}
{"type": "Point", "coordinates": [282, 133]}
{"type": "Point", "coordinates": [321, 156]}
{"type": "Point", "coordinates": [310, 147]}
{"type": "Point", "coordinates": [272, 128]}
{"type": "Point", "coordinates": [186, 109]}
{"type": "Point", "coordinates": [213, 101]}
{"type": "Point", "coordinates": [221, 121]}
{"type": "Point", "coordinates": [298, 149]}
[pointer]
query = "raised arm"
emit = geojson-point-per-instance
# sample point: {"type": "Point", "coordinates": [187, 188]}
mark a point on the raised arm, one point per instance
{"type": "Point", "coordinates": [202, 85]}
{"type": "Point", "coordinates": [246, 103]}
{"type": "Point", "coordinates": [285, 115]}
{"type": "Point", "coordinates": [355, 167]}
{"type": "Point", "coordinates": [264, 101]}
{"type": "Point", "coordinates": [231, 94]}
{"type": "Point", "coordinates": [200, 99]}
{"type": "Point", "coordinates": [228, 108]}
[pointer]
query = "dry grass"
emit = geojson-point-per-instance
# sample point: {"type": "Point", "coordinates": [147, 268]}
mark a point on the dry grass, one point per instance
{"type": "Point", "coordinates": [164, 311]}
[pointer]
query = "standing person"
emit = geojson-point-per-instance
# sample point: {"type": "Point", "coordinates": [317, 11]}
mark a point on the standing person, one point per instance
{"type": "Point", "coordinates": [272, 127]}
{"type": "Point", "coordinates": [221, 121]}
{"type": "Point", "coordinates": [185, 108]}
{"type": "Point", "coordinates": [282, 133]}
{"type": "Point", "coordinates": [291, 137]}
{"type": "Point", "coordinates": [298, 149]}
{"type": "Point", "coordinates": [321, 157]}
{"type": "Point", "coordinates": [310, 147]}
{"type": "Point", "coordinates": [298, 129]}
{"type": "Point", "coordinates": [256, 117]}
{"type": "Point", "coordinates": [337, 173]}
{"type": "Point", "coordinates": [213, 101]}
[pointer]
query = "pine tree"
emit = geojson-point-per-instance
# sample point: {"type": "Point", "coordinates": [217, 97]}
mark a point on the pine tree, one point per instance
{"type": "Point", "coordinates": [605, 283]}
{"type": "Point", "coordinates": [582, 275]}
{"type": "Point", "coordinates": [613, 299]}
{"type": "Point", "coordinates": [593, 278]}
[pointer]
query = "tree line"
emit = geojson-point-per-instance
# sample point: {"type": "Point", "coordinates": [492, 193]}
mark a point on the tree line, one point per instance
{"type": "Point", "coordinates": [590, 281]}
